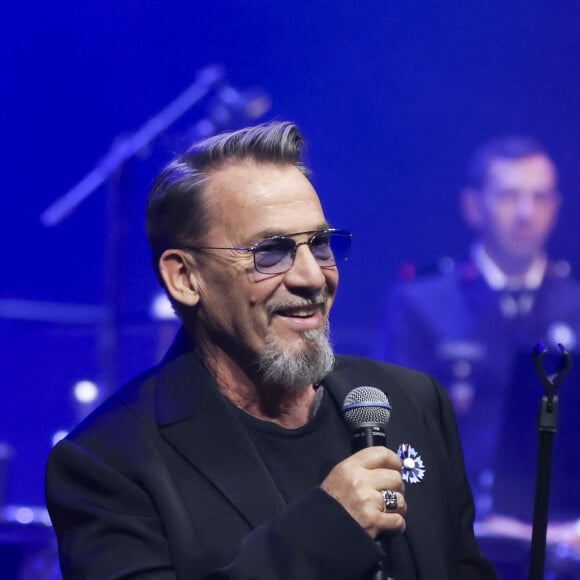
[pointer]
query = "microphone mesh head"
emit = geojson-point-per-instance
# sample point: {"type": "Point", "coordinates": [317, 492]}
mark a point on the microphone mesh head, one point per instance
{"type": "Point", "coordinates": [366, 405]}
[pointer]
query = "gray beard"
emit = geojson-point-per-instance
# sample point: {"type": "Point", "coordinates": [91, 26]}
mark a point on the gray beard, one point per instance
{"type": "Point", "coordinates": [300, 367]}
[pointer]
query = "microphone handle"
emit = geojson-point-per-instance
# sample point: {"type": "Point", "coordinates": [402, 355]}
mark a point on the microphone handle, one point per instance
{"type": "Point", "coordinates": [373, 435]}
{"type": "Point", "coordinates": [367, 411]}
{"type": "Point", "coordinates": [368, 435]}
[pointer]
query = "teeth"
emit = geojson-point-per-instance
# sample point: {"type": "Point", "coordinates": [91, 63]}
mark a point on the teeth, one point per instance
{"type": "Point", "coordinates": [298, 313]}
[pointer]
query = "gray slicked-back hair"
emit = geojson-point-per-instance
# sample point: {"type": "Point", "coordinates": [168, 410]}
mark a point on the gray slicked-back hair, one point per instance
{"type": "Point", "coordinates": [177, 211]}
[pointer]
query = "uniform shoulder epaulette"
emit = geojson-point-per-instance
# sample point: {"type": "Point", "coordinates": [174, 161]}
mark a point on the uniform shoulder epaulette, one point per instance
{"type": "Point", "coordinates": [409, 271]}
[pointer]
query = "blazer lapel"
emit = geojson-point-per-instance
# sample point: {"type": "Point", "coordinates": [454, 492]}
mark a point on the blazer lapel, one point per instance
{"type": "Point", "coordinates": [196, 420]}
{"type": "Point", "coordinates": [338, 385]}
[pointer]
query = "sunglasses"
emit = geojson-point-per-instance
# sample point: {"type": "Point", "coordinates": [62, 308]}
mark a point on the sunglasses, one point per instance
{"type": "Point", "coordinates": [276, 255]}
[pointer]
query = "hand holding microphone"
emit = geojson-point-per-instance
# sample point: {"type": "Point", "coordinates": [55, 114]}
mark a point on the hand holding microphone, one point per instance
{"type": "Point", "coordinates": [369, 483]}
{"type": "Point", "coordinates": [370, 487]}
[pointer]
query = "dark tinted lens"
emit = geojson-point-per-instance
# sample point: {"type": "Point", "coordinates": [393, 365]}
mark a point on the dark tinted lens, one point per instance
{"type": "Point", "coordinates": [330, 248]}
{"type": "Point", "coordinates": [320, 246]}
{"type": "Point", "coordinates": [274, 255]}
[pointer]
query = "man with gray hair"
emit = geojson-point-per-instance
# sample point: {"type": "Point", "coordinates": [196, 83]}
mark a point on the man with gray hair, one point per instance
{"type": "Point", "coordinates": [231, 458]}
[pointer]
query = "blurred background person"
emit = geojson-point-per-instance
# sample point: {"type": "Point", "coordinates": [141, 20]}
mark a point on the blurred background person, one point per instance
{"type": "Point", "coordinates": [473, 327]}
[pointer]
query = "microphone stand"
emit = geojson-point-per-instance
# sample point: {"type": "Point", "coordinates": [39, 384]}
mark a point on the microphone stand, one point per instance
{"type": "Point", "coordinates": [125, 147]}
{"type": "Point", "coordinates": [110, 170]}
{"type": "Point", "coordinates": [547, 426]}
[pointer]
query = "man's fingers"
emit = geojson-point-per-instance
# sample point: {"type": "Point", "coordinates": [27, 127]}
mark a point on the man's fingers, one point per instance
{"type": "Point", "coordinates": [393, 508]}
{"type": "Point", "coordinates": [369, 485]}
{"type": "Point", "coordinates": [392, 502]}
{"type": "Point", "coordinates": [377, 457]}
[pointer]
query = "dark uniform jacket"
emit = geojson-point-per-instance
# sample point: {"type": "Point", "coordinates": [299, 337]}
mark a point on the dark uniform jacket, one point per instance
{"type": "Point", "coordinates": [478, 343]}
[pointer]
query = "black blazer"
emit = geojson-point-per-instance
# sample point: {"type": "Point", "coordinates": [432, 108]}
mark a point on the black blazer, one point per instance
{"type": "Point", "coordinates": [162, 481]}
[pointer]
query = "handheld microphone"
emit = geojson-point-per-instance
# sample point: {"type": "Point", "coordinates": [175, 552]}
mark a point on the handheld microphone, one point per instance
{"type": "Point", "coordinates": [367, 411]}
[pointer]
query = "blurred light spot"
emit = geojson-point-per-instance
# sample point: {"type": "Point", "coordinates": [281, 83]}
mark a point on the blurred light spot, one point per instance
{"type": "Point", "coordinates": [462, 368]}
{"type": "Point", "coordinates": [461, 394]}
{"type": "Point", "coordinates": [161, 308]}
{"type": "Point", "coordinates": [6, 452]}
{"type": "Point", "coordinates": [204, 128]}
{"type": "Point", "coordinates": [24, 515]}
{"type": "Point", "coordinates": [86, 392]}
{"type": "Point", "coordinates": [562, 268]}
{"type": "Point", "coordinates": [59, 435]}
{"type": "Point", "coordinates": [486, 478]}
{"type": "Point", "coordinates": [562, 333]}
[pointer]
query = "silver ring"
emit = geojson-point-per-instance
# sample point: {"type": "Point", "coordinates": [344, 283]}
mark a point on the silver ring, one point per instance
{"type": "Point", "coordinates": [390, 500]}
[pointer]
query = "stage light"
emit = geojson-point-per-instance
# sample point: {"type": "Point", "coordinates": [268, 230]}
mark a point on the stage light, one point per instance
{"type": "Point", "coordinates": [86, 392]}
{"type": "Point", "coordinates": [24, 515]}
{"type": "Point", "coordinates": [58, 436]}
{"type": "Point", "coordinates": [161, 308]}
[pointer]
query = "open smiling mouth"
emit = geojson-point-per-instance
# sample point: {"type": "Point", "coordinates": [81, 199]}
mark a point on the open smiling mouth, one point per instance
{"type": "Point", "coordinates": [302, 312]}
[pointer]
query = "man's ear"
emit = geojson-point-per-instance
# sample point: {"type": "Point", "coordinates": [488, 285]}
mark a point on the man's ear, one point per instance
{"type": "Point", "coordinates": [470, 200]}
{"type": "Point", "coordinates": [179, 276]}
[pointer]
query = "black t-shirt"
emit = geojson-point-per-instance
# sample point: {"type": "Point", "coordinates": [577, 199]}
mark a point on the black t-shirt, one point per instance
{"type": "Point", "coordinates": [300, 459]}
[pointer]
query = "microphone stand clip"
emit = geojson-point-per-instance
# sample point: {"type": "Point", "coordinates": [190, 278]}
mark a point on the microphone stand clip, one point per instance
{"type": "Point", "coordinates": [547, 426]}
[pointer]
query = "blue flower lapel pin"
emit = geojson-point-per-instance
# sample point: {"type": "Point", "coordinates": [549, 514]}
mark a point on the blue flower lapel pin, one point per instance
{"type": "Point", "coordinates": [413, 466]}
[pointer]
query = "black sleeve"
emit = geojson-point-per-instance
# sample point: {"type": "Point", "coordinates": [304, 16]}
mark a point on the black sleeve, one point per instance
{"type": "Point", "coordinates": [314, 538]}
{"type": "Point", "coordinates": [106, 525]}
{"type": "Point", "coordinates": [109, 527]}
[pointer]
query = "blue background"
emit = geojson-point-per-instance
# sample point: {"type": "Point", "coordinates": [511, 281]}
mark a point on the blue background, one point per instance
{"type": "Point", "coordinates": [391, 96]}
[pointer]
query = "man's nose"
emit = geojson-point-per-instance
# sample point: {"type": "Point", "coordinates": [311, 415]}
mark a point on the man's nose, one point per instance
{"type": "Point", "coordinates": [525, 206]}
{"type": "Point", "coordinates": [305, 271]}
